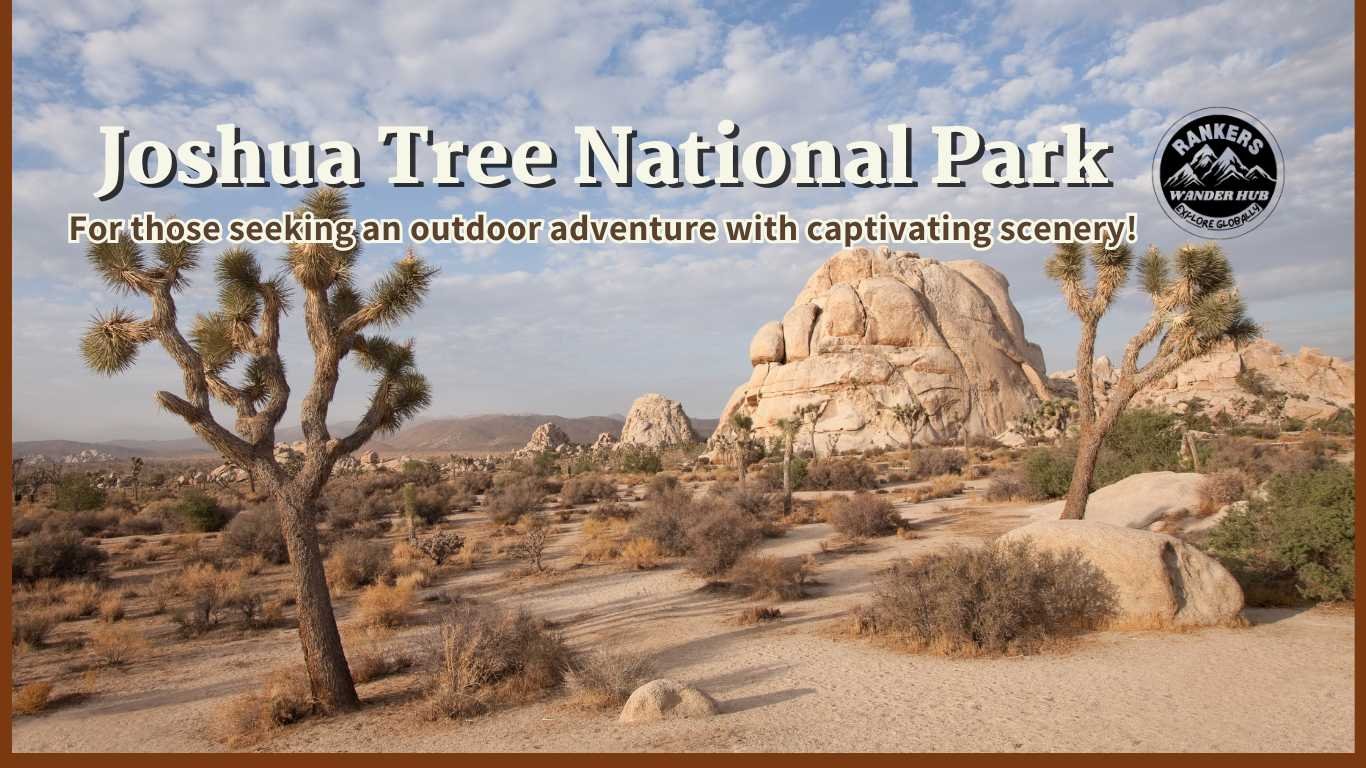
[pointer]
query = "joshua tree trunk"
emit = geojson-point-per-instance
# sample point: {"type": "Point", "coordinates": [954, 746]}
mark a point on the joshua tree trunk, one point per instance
{"type": "Point", "coordinates": [787, 476]}
{"type": "Point", "coordinates": [1088, 450]}
{"type": "Point", "coordinates": [329, 674]}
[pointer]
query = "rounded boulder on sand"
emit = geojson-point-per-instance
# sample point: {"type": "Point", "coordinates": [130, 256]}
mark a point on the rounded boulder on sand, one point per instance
{"type": "Point", "coordinates": [663, 699]}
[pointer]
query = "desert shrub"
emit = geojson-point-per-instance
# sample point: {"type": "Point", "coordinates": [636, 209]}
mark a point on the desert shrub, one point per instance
{"type": "Point", "coordinates": [77, 493]}
{"type": "Point", "coordinates": [641, 554]}
{"type": "Point", "coordinates": [206, 590]}
{"type": "Point", "coordinates": [386, 605]}
{"type": "Point", "coordinates": [508, 503]}
{"type": "Point", "coordinates": [372, 654]}
{"type": "Point", "coordinates": [257, 532]}
{"type": "Point", "coordinates": [862, 516]}
{"type": "Point", "coordinates": [1007, 487]}
{"type": "Point", "coordinates": [1221, 488]}
{"type": "Point", "coordinates": [1259, 461]}
{"type": "Point", "coordinates": [665, 521]}
{"type": "Point", "coordinates": [354, 563]}
{"type": "Point", "coordinates": [757, 614]}
{"type": "Point", "coordinates": [112, 609]}
{"type": "Point", "coordinates": [660, 484]}
{"type": "Point", "coordinates": [1342, 422]}
{"type": "Point", "coordinates": [115, 645]}
{"type": "Point", "coordinates": [839, 474]}
{"type": "Point", "coordinates": [1301, 536]}
{"type": "Point", "coordinates": [31, 627]}
{"type": "Point", "coordinates": [764, 577]}
{"type": "Point", "coordinates": [438, 547]}
{"type": "Point", "coordinates": [1142, 440]}
{"type": "Point", "coordinates": [939, 488]}
{"type": "Point", "coordinates": [89, 522]}
{"type": "Point", "coordinates": [472, 483]}
{"type": "Point", "coordinates": [751, 498]}
{"type": "Point", "coordinates": [429, 504]}
{"type": "Point", "coordinates": [534, 539]}
{"type": "Point", "coordinates": [639, 460]}
{"type": "Point", "coordinates": [602, 539]}
{"type": "Point", "coordinates": [283, 698]}
{"type": "Point", "coordinates": [718, 538]}
{"type": "Point", "coordinates": [999, 599]}
{"type": "Point", "coordinates": [489, 655]}
{"type": "Point", "coordinates": [583, 489]}
{"type": "Point", "coordinates": [200, 512]}
{"type": "Point", "coordinates": [1047, 473]}
{"type": "Point", "coordinates": [54, 555]}
{"type": "Point", "coordinates": [81, 598]}
{"type": "Point", "coordinates": [612, 510]}
{"type": "Point", "coordinates": [606, 679]}
{"type": "Point", "coordinates": [32, 698]}
{"type": "Point", "coordinates": [420, 472]}
{"type": "Point", "coordinates": [928, 462]}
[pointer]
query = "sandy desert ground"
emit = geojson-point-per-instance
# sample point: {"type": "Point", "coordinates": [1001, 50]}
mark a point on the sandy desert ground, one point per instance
{"type": "Point", "coordinates": [798, 684]}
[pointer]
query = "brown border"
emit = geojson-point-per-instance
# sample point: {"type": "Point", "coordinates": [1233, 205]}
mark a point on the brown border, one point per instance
{"type": "Point", "coordinates": [308, 760]}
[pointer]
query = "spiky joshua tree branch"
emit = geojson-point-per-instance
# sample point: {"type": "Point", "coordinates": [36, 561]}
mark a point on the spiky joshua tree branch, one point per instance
{"type": "Point", "coordinates": [243, 335]}
{"type": "Point", "coordinates": [1195, 308]}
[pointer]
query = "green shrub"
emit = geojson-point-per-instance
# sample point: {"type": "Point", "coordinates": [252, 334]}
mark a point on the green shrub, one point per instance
{"type": "Point", "coordinates": [1342, 422]}
{"type": "Point", "coordinates": [1047, 473]}
{"type": "Point", "coordinates": [78, 493]}
{"type": "Point", "coordinates": [200, 512]}
{"type": "Point", "coordinates": [1303, 535]}
{"type": "Point", "coordinates": [509, 502]}
{"type": "Point", "coordinates": [428, 505]}
{"type": "Point", "coordinates": [640, 460]}
{"type": "Point", "coordinates": [1142, 440]}
{"type": "Point", "coordinates": [54, 555]}
{"type": "Point", "coordinates": [999, 599]}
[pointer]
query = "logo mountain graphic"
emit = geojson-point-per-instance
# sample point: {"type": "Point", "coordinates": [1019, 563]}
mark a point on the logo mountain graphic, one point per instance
{"type": "Point", "coordinates": [1205, 170]}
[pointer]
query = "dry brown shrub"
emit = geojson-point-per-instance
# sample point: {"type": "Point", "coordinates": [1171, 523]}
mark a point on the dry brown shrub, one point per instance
{"type": "Point", "coordinates": [606, 679]}
{"type": "Point", "coordinates": [32, 698]}
{"type": "Point", "coordinates": [353, 563]}
{"type": "Point", "coordinates": [862, 516]}
{"type": "Point", "coordinates": [115, 645]}
{"type": "Point", "coordinates": [939, 488]}
{"type": "Point", "coordinates": [582, 489]}
{"type": "Point", "coordinates": [284, 698]}
{"type": "Point", "coordinates": [371, 654]}
{"type": "Point", "coordinates": [111, 609]}
{"type": "Point", "coordinates": [490, 655]}
{"type": "Point", "coordinates": [1222, 488]}
{"type": "Point", "coordinates": [719, 538]}
{"type": "Point", "coordinates": [764, 577]}
{"type": "Point", "coordinates": [29, 628]}
{"type": "Point", "coordinates": [81, 598]}
{"type": "Point", "coordinates": [758, 614]}
{"type": "Point", "coordinates": [641, 554]}
{"type": "Point", "coordinates": [1000, 599]}
{"type": "Point", "coordinates": [386, 605]}
{"type": "Point", "coordinates": [602, 539]}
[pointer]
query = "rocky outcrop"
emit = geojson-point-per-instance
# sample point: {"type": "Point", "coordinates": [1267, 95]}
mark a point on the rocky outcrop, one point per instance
{"type": "Point", "coordinates": [663, 699]}
{"type": "Point", "coordinates": [1144, 500]}
{"type": "Point", "coordinates": [656, 421]}
{"type": "Point", "coordinates": [605, 442]}
{"type": "Point", "coordinates": [547, 437]}
{"type": "Point", "coordinates": [1309, 385]}
{"type": "Point", "coordinates": [873, 330]}
{"type": "Point", "coordinates": [1159, 580]}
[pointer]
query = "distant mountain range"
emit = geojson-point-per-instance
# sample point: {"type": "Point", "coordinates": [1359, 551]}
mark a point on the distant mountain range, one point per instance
{"type": "Point", "coordinates": [490, 433]}
{"type": "Point", "coordinates": [1206, 170]}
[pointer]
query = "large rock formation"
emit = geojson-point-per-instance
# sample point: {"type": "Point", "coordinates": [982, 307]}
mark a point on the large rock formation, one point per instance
{"type": "Point", "coordinates": [1159, 579]}
{"type": "Point", "coordinates": [656, 421]}
{"type": "Point", "coordinates": [1315, 385]}
{"type": "Point", "coordinates": [547, 437]}
{"type": "Point", "coordinates": [876, 329]}
{"type": "Point", "coordinates": [1144, 500]}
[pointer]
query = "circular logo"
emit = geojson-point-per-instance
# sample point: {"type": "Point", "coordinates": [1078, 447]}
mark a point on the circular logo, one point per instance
{"type": "Point", "coordinates": [1218, 173]}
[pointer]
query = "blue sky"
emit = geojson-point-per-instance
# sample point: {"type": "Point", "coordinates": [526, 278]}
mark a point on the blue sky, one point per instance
{"type": "Point", "coordinates": [580, 330]}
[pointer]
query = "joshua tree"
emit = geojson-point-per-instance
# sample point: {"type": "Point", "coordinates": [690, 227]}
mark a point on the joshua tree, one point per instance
{"type": "Point", "coordinates": [743, 427]}
{"type": "Point", "coordinates": [135, 472]}
{"type": "Point", "coordinates": [1195, 307]}
{"type": "Point", "coordinates": [789, 427]}
{"type": "Point", "coordinates": [246, 327]}
{"type": "Point", "coordinates": [911, 416]}
{"type": "Point", "coordinates": [808, 415]}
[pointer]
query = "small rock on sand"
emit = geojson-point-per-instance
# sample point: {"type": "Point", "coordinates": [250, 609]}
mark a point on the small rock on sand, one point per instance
{"type": "Point", "coordinates": [663, 699]}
